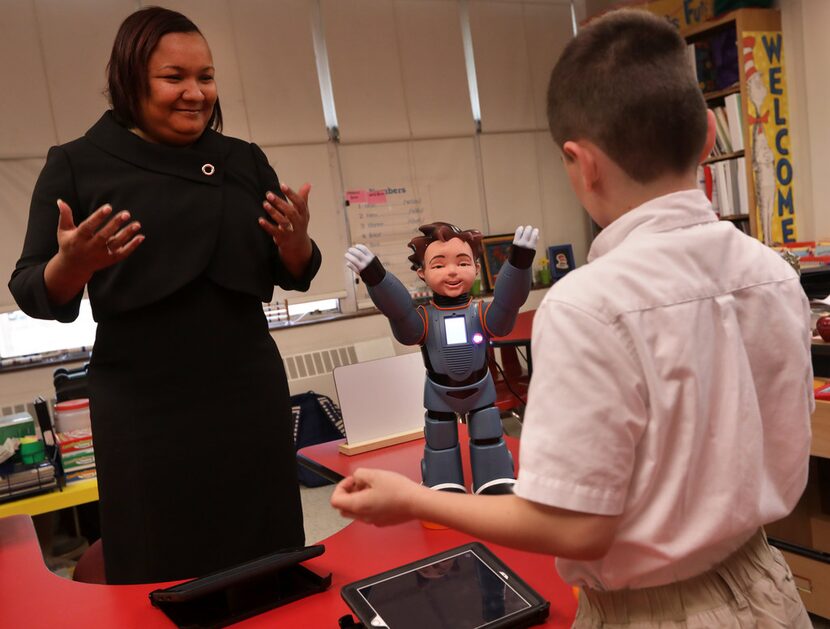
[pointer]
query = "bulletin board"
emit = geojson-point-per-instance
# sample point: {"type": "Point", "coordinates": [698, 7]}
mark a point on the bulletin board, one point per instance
{"type": "Point", "coordinates": [385, 220]}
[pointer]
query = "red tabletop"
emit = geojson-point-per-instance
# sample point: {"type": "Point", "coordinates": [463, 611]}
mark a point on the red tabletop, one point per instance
{"type": "Point", "coordinates": [405, 458]}
{"type": "Point", "coordinates": [32, 596]}
{"type": "Point", "coordinates": [519, 335]}
{"type": "Point", "coordinates": [521, 332]}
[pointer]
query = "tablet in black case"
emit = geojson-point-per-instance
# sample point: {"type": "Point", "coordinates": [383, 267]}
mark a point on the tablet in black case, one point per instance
{"type": "Point", "coordinates": [242, 591]}
{"type": "Point", "coordinates": [462, 588]}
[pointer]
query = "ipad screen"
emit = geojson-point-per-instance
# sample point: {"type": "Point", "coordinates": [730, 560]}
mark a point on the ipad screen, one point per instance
{"type": "Point", "coordinates": [461, 592]}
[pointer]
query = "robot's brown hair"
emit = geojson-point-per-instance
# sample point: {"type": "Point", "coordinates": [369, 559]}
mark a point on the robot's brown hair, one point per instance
{"type": "Point", "coordinates": [441, 232]}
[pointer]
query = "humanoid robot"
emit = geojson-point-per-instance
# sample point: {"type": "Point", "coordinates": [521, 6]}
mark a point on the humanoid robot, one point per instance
{"type": "Point", "coordinates": [453, 331]}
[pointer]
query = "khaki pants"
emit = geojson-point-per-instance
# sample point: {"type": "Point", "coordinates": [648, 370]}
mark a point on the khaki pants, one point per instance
{"type": "Point", "coordinates": [752, 588]}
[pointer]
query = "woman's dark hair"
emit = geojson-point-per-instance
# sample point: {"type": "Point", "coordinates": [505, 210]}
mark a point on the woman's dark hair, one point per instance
{"type": "Point", "coordinates": [439, 231]}
{"type": "Point", "coordinates": [137, 38]}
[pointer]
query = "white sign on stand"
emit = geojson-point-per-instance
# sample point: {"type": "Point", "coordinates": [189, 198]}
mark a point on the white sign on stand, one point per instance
{"type": "Point", "coordinates": [382, 401]}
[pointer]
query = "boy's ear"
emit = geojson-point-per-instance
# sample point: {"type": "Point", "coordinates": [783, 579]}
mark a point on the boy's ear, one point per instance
{"type": "Point", "coordinates": [420, 273]}
{"type": "Point", "coordinates": [711, 131]}
{"type": "Point", "coordinates": [581, 156]}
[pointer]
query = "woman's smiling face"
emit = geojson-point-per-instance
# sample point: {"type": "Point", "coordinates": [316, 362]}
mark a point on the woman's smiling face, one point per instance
{"type": "Point", "coordinates": [182, 91]}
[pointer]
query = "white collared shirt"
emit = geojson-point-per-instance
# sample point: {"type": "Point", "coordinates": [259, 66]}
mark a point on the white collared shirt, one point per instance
{"type": "Point", "coordinates": [672, 384]}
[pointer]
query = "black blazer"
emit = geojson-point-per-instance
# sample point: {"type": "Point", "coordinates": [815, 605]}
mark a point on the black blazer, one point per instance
{"type": "Point", "coordinates": [195, 223]}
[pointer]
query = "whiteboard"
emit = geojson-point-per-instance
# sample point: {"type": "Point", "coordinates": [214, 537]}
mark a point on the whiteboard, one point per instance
{"type": "Point", "coordinates": [381, 397]}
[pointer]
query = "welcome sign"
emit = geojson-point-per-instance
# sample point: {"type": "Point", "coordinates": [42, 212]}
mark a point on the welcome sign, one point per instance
{"type": "Point", "coordinates": [768, 125]}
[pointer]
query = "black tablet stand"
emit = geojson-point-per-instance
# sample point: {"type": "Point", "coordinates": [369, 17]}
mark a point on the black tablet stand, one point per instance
{"type": "Point", "coordinates": [235, 602]}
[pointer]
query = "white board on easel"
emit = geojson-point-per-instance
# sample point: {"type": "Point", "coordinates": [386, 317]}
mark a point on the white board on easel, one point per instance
{"type": "Point", "coordinates": [382, 401]}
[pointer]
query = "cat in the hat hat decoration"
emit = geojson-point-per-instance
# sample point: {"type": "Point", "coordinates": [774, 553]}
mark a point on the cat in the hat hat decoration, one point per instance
{"type": "Point", "coordinates": [763, 159]}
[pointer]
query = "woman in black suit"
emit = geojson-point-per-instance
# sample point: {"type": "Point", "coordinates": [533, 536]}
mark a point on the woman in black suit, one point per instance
{"type": "Point", "coordinates": [179, 234]}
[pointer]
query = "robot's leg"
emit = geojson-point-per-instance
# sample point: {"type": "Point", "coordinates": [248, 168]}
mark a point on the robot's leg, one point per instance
{"type": "Point", "coordinates": [441, 465]}
{"type": "Point", "coordinates": [490, 459]}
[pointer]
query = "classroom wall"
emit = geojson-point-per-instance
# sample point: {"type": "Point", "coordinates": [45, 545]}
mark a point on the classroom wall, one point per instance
{"type": "Point", "coordinates": [404, 113]}
{"type": "Point", "coordinates": [806, 24]}
{"type": "Point", "coordinates": [399, 81]}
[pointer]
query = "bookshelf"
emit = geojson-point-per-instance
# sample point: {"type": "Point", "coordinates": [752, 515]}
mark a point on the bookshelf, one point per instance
{"type": "Point", "coordinates": [747, 84]}
{"type": "Point", "coordinates": [725, 156]}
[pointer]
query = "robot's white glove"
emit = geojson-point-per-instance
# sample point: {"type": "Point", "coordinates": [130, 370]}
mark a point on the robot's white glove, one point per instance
{"type": "Point", "coordinates": [526, 236]}
{"type": "Point", "coordinates": [358, 258]}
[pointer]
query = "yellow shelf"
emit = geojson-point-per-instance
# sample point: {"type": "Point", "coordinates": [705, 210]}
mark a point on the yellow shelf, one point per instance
{"type": "Point", "coordinates": [75, 494]}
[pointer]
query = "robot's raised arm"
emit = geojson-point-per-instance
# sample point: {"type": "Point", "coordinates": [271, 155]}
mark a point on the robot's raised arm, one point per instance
{"type": "Point", "coordinates": [393, 300]}
{"type": "Point", "coordinates": [513, 283]}
{"type": "Point", "coordinates": [388, 294]}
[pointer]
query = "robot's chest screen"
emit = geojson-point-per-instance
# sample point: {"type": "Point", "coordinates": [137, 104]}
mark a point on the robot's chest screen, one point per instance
{"type": "Point", "coordinates": [456, 330]}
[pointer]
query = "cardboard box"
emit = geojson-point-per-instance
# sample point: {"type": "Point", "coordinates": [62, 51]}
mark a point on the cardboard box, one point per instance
{"type": "Point", "coordinates": [812, 578]}
{"type": "Point", "coordinates": [820, 531]}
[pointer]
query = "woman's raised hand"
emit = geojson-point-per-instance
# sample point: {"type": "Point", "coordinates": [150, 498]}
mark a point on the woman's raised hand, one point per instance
{"type": "Point", "coordinates": [288, 226]}
{"type": "Point", "coordinates": [99, 241]}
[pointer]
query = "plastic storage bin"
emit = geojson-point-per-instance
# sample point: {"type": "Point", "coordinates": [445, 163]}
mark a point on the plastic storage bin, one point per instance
{"type": "Point", "coordinates": [72, 415]}
{"type": "Point", "coordinates": [18, 425]}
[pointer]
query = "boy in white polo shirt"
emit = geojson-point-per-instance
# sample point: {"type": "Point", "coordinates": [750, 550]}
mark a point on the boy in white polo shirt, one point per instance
{"type": "Point", "coordinates": [668, 414]}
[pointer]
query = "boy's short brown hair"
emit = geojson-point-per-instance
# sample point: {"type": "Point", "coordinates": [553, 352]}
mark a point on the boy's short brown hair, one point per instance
{"type": "Point", "coordinates": [625, 84]}
{"type": "Point", "coordinates": [442, 232]}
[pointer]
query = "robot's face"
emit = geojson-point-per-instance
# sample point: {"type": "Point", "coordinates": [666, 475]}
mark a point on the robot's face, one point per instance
{"type": "Point", "coordinates": [449, 268]}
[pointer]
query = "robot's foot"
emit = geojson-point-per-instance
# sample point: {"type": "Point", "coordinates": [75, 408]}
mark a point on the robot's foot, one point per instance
{"type": "Point", "coordinates": [497, 487]}
{"type": "Point", "coordinates": [454, 488]}
{"type": "Point", "coordinates": [451, 487]}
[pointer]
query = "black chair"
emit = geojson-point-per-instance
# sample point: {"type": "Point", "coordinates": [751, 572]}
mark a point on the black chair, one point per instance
{"type": "Point", "coordinates": [71, 384]}
{"type": "Point", "coordinates": [90, 567]}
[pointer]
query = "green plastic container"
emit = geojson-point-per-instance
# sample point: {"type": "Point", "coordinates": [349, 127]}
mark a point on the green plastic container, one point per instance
{"type": "Point", "coordinates": [32, 450]}
{"type": "Point", "coordinates": [17, 426]}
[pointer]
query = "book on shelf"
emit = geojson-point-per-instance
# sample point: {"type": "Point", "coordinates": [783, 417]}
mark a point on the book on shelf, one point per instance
{"type": "Point", "coordinates": [743, 194]}
{"type": "Point", "coordinates": [813, 262]}
{"type": "Point", "coordinates": [706, 182]}
{"type": "Point", "coordinates": [722, 133]}
{"type": "Point", "coordinates": [732, 108]}
{"type": "Point", "coordinates": [724, 184]}
{"type": "Point", "coordinates": [18, 479]}
{"type": "Point", "coordinates": [734, 177]}
{"type": "Point", "coordinates": [724, 187]}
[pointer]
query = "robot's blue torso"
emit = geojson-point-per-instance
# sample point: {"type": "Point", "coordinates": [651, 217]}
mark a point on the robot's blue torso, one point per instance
{"type": "Point", "coordinates": [456, 343]}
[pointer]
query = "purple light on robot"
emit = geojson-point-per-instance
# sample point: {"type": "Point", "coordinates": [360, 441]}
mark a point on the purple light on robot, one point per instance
{"type": "Point", "coordinates": [478, 337]}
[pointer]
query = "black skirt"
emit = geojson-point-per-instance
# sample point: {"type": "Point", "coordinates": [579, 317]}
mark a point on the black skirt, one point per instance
{"type": "Point", "coordinates": [193, 440]}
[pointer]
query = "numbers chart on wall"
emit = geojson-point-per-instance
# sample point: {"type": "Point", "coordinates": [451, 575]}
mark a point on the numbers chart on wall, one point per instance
{"type": "Point", "coordinates": [385, 220]}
